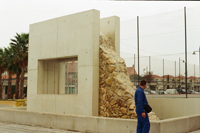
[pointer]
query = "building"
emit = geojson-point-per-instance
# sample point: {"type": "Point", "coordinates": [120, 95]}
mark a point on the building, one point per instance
{"type": "Point", "coordinates": [5, 77]}
{"type": "Point", "coordinates": [131, 70]}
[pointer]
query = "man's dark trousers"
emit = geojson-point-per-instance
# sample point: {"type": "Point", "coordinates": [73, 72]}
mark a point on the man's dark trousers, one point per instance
{"type": "Point", "coordinates": [143, 125]}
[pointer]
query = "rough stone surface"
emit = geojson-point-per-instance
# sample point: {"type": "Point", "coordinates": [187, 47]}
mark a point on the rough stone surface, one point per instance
{"type": "Point", "coordinates": [116, 91]}
{"type": "Point", "coordinates": [152, 116]}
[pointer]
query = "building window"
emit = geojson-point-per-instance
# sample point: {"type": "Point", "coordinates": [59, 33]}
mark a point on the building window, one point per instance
{"type": "Point", "coordinates": [5, 73]}
{"type": "Point", "coordinates": [71, 77]}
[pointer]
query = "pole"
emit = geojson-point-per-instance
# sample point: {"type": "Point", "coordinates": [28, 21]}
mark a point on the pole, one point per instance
{"type": "Point", "coordinates": [199, 66]}
{"type": "Point", "coordinates": [138, 48]}
{"type": "Point", "coordinates": [163, 74]}
{"type": "Point", "coordinates": [175, 74]}
{"type": "Point", "coordinates": [194, 75]}
{"type": "Point", "coordinates": [185, 51]}
{"type": "Point", "coordinates": [149, 64]}
{"type": "Point", "coordinates": [134, 72]}
{"type": "Point", "coordinates": [149, 72]}
{"type": "Point", "coordinates": [179, 77]}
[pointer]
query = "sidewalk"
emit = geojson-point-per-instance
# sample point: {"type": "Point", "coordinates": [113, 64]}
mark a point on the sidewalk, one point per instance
{"type": "Point", "coordinates": [15, 128]}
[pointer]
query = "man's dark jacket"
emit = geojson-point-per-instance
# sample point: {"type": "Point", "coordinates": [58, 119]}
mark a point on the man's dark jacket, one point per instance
{"type": "Point", "coordinates": [140, 100]}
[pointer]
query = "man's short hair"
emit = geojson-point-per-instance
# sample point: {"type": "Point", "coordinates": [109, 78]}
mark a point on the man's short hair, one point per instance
{"type": "Point", "coordinates": [142, 82]}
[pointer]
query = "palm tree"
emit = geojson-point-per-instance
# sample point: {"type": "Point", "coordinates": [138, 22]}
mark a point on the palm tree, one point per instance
{"type": "Point", "coordinates": [20, 46]}
{"type": "Point", "coordinates": [1, 70]}
{"type": "Point", "coordinates": [9, 66]}
{"type": "Point", "coordinates": [17, 70]}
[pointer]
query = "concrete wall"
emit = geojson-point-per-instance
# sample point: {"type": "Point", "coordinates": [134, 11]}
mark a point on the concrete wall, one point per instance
{"type": "Point", "coordinates": [51, 43]}
{"type": "Point", "coordinates": [91, 124]}
{"type": "Point", "coordinates": [75, 35]}
{"type": "Point", "coordinates": [166, 108]}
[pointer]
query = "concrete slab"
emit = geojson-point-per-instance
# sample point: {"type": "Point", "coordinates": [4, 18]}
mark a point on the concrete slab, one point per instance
{"type": "Point", "coordinates": [60, 40]}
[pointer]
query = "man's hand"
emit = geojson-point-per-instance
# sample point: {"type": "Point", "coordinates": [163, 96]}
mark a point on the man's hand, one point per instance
{"type": "Point", "coordinates": [143, 115]}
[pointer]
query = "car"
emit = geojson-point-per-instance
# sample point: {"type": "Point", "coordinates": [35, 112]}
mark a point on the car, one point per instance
{"type": "Point", "coordinates": [171, 91]}
{"type": "Point", "coordinates": [165, 92]}
{"type": "Point", "coordinates": [146, 92]}
{"type": "Point", "coordinates": [153, 92]}
{"type": "Point", "coordinates": [161, 92]}
{"type": "Point", "coordinates": [181, 91]}
{"type": "Point", "coordinates": [193, 92]}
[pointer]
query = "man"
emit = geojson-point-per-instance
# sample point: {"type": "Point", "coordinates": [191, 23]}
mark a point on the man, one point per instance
{"type": "Point", "coordinates": [143, 124]}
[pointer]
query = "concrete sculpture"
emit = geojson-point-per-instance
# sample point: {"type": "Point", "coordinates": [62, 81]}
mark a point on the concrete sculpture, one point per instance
{"type": "Point", "coordinates": [75, 37]}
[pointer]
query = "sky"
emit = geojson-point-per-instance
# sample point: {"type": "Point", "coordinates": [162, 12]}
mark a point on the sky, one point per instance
{"type": "Point", "coordinates": [161, 26]}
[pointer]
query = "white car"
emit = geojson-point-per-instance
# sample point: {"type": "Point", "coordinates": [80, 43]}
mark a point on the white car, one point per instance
{"type": "Point", "coordinates": [171, 91]}
{"type": "Point", "coordinates": [193, 92]}
{"type": "Point", "coordinates": [153, 92]}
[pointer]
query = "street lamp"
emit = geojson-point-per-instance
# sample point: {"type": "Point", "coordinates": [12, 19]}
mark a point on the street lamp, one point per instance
{"type": "Point", "coordinates": [179, 73]}
{"type": "Point", "coordinates": [199, 58]}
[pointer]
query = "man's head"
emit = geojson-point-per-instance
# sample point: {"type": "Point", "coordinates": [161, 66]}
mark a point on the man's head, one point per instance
{"type": "Point", "coordinates": [143, 84]}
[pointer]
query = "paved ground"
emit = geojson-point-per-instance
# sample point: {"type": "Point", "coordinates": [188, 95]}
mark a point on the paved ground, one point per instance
{"type": "Point", "coordinates": [173, 96]}
{"type": "Point", "coordinates": [7, 106]}
{"type": "Point", "coordinates": [15, 128]}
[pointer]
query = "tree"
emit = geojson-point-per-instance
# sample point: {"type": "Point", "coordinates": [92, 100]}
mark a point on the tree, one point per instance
{"type": "Point", "coordinates": [20, 46]}
{"type": "Point", "coordinates": [168, 81]}
{"type": "Point", "coordinates": [9, 65]}
{"type": "Point", "coordinates": [2, 69]}
{"type": "Point", "coordinates": [18, 72]}
{"type": "Point", "coordinates": [148, 77]}
{"type": "Point", "coordinates": [132, 77]}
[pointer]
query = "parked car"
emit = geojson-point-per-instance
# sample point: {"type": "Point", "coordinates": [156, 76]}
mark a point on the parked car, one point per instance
{"type": "Point", "coordinates": [161, 92]}
{"type": "Point", "coordinates": [182, 91]}
{"type": "Point", "coordinates": [146, 92]}
{"type": "Point", "coordinates": [171, 91]}
{"type": "Point", "coordinates": [193, 92]}
{"type": "Point", "coordinates": [153, 92]}
{"type": "Point", "coordinates": [165, 92]}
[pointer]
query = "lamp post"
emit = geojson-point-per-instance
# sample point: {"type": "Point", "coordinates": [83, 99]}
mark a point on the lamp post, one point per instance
{"type": "Point", "coordinates": [194, 53]}
{"type": "Point", "coordinates": [138, 50]}
{"type": "Point", "coordinates": [179, 73]}
{"type": "Point", "coordinates": [185, 25]}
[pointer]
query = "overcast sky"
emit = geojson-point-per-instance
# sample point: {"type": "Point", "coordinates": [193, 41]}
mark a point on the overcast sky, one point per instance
{"type": "Point", "coordinates": [17, 15]}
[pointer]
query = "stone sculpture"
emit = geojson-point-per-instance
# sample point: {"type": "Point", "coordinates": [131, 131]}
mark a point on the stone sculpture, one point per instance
{"type": "Point", "coordinates": [116, 91]}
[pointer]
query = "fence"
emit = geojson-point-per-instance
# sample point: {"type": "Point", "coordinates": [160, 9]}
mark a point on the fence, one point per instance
{"type": "Point", "coordinates": [162, 48]}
